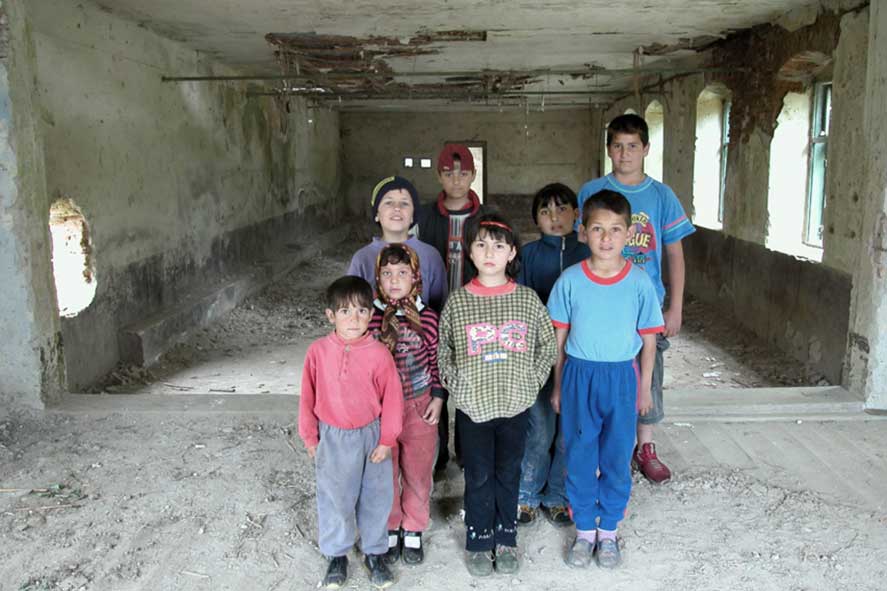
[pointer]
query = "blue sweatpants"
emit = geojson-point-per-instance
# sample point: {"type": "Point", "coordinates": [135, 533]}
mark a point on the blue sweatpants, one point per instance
{"type": "Point", "coordinates": [598, 422]}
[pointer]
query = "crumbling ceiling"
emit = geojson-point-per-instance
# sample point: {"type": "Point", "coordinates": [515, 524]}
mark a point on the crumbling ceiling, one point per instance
{"type": "Point", "coordinates": [392, 53]}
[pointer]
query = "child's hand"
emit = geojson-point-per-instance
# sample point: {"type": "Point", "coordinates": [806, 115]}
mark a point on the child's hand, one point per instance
{"type": "Point", "coordinates": [556, 400]}
{"type": "Point", "coordinates": [645, 402]}
{"type": "Point", "coordinates": [380, 454]}
{"type": "Point", "coordinates": [432, 411]}
{"type": "Point", "coordinates": [312, 450]}
{"type": "Point", "coordinates": [673, 320]}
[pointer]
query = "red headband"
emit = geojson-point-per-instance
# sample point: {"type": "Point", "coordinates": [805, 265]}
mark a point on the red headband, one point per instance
{"type": "Point", "coordinates": [496, 224]}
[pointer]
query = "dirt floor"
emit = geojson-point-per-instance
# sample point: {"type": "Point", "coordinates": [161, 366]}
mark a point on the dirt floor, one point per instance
{"type": "Point", "coordinates": [207, 499]}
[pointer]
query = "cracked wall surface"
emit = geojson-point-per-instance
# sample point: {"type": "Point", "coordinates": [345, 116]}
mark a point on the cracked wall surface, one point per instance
{"type": "Point", "coordinates": [181, 184]}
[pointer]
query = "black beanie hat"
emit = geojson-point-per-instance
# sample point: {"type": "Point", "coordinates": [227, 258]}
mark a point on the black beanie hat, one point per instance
{"type": "Point", "coordinates": [390, 184]}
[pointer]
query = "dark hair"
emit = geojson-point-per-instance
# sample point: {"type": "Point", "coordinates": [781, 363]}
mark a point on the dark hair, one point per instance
{"type": "Point", "coordinates": [394, 254]}
{"type": "Point", "coordinates": [558, 193]}
{"type": "Point", "coordinates": [628, 123]}
{"type": "Point", "coordinates": [610, 201]}
{"type": "Point", "coordinates": [498, 228]}
{"type": "Point", "coordinates": [349, 289]}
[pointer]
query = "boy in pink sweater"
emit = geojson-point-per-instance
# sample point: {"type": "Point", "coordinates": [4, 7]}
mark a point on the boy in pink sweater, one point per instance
{"type": "Point", "coordinates": [350, 415]}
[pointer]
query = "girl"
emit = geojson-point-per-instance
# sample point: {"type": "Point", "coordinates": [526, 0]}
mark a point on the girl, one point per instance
{"type": "Point", "coordinates": [408, 327]}
{"type": "Point", "coordinates": [496, 350]}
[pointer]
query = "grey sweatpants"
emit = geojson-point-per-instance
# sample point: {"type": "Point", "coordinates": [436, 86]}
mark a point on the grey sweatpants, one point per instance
{"type": "Point", "coordinates": [349, 486]}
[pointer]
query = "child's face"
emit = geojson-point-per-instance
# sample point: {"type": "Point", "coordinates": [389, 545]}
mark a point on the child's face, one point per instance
{"type": "Point", "coordinates": [627, 153]}
{"type": "Point", "coordinates": [606, 234]}
{"type": "Point", "coordinates": [457, 182]}
{"type": "Point", "coordinates": [351, 321]}
{"type": "Point", "coordinates": [395, 211]}
{"type": "Point", "coordinates": [556, 220]}
{"type": "Point", "coordinates": [491, 255]}
{"type": "Point", "coordinates": [396, 280]}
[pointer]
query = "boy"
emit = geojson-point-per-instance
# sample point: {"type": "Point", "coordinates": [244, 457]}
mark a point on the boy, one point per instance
{"type": "Point", "coordinates": [659, 220]}
{"type": "Point", "coordinates": [555, 210]}
{"type": "Point", "coordinates": [394, 202]}
{"type": "Point", "coordinates": [605, 310]}
{"type": "Point", "coordinates": [441, 224]}
{"type": "Point", "coordinates": [350, 415]}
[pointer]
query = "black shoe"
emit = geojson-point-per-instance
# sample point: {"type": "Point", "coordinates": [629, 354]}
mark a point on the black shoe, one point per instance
{"type": "Point", "coordinates": [393, 554]}
{"type": "Point", "coordinates": [525, 514]}
{"type": "Point", "coordinates": [558, 516]}
{"type": "Point", "coordinates": [336, 573]}
{"type": "Point", "coordinates": [380, 575]}
{"type": "Point", "coordinates": [412, 548]}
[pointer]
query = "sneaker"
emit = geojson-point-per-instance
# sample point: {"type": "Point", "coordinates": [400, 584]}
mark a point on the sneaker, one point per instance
{"type": "Point", "coordinates": [380, 575]}
{"type": "Point", "coordinates": [412, 548]}
{"type": "Point", "coordinates": [480, 564]}
{"type": "Point", "coordinates": [607, 551]}
{"type": "Point", "coordinates": [645, 460]}
{"type": "Point", "coordinates": [525, 514]}
{"type": "Point", "coordinates": [558, 516]}
{"type": "Point", "coordinates": [336, 573]}
{"type": "Point", "coordinates": [507, 562]}
{"type": "Point", "coordinates": [393, 553]}
{"type": "Point", "coordinates": [580, 553]}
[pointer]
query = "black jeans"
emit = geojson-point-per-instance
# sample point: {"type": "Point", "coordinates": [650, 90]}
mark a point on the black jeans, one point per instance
{"type": "Point", "coordinates": [443, 433]}
{"type": "Point", "coordinates": [492, 452]}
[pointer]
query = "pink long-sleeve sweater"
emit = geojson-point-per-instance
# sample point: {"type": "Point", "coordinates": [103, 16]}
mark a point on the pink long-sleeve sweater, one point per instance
{"type": "Point", "coordinates": [348, 384]}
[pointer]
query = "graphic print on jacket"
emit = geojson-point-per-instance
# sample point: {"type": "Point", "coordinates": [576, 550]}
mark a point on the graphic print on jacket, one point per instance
{"type": "Point", "coordinates": [510, 336]}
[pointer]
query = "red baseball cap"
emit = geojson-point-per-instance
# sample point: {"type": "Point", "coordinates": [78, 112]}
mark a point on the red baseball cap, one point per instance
{"type": "Point", "coordinates": [452, 152]}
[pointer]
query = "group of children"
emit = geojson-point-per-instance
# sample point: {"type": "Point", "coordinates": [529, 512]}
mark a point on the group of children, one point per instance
{"type": "Point", "coordinates": [572, 324]}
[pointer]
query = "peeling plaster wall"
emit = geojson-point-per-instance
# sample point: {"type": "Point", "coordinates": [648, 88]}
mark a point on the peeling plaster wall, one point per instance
{"type": "Point", "coordinates": [800, 307]}
{"type": "Point", "coordinates": [180, 183]}
{"type": "Point", "coordinates": [30, 353]}
{"type": "Point", "coordinates": [845, 179]}
{"type": "Point", "coordinates": [524, 151]}
{"type": "Point", "coordinates": [867, 351]}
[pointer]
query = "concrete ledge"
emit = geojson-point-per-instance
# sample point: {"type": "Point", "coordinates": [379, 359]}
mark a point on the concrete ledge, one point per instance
{"type": "Point", "coordinates": [762, 404]}
{"type": "Point", "coordinates": [144, 342]}
{"type": "Point", "coordinates": [276, 404]}
{"type": "Point", "coordinates": [682, 406]}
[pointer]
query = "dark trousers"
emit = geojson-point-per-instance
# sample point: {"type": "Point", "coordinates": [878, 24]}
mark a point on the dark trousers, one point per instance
{"type": "Point", "coordinates": [443, 434]}
{"type": "Point", "coordinates": [492, 453]}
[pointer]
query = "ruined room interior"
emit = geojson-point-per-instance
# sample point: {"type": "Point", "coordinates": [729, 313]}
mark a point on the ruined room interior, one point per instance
{"type": "Point", "coordinates": [165, 162]}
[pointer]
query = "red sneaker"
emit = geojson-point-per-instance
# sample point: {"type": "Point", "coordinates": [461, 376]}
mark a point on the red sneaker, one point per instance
{"type": "Point", "coordinates": [645, 460]}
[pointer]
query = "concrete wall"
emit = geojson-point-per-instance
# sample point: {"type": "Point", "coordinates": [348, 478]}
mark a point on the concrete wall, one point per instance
{"type": "Point", "coordinates": [30, 352]}
{"type": "Point", "coordinates": [795, 305]}
{"type": "Point", "coordinates": [525, 151]}
{"type": "Point", "coordinates": [180, 184]}
{"type": "Point", "coordinates": [800, 307]}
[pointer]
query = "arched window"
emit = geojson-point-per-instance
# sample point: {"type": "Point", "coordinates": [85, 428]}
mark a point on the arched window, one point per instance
{"type": "Point", "coordinates": [787, 188]}
{"type": "Point", "coordinates": [710, 155]}
{"type": "Point", "coordinates": [796, 195]}
{"type": "Point", "coordinates": [655, 117]}
{"type": "Point", "coordinates": [72, 258]}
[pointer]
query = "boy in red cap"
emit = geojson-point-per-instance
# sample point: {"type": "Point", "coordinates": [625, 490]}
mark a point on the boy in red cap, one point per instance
{"type": "Point", "coordinates": [440, 224]}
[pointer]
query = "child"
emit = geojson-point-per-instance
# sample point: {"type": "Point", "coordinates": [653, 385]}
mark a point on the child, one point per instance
{"type": "Point", "coordinates": [496, 350]}
{"type": "Point", "coordinates": [441, 224]}
{"type": "Point", "coordinates": [394, 202]}
{"type": "Point", "coordinates": [350, 416]}
{"type": "Point", "coordinates": [659, 220]}
{"type": "Point", "coordinates": [554, 212]}
{"type": "Point", "coordinates": [605, 311]}
{"type": "Point", "coordinates": [408, 327]}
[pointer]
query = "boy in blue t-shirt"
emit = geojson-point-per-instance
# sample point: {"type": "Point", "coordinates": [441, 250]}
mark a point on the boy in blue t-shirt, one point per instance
{"type": "Point", "coordinates": [659, 224]}
{"type": "Point", "coordinates": [605, 310]}
{"type": "Point", "coordinates": [555, 210]}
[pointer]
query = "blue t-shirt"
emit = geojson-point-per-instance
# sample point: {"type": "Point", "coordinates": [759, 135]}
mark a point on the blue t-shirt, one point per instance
{"type": "Point", "coordinates": [606, 316]}
{"type": "Point", "coordinates": [658, 219]}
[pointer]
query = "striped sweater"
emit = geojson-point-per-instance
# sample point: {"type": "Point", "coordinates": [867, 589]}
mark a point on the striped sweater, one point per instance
{"type": "Point", "coordinates": [415, 356]}
{"type": "Point", "coordinates": [496, 349]}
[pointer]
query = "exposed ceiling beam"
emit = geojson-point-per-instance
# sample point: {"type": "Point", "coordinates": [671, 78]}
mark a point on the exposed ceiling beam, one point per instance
{"type": "Point", "coordinates": [587, 72]}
